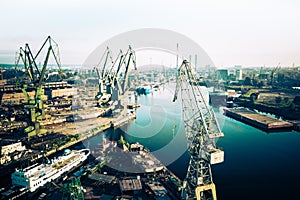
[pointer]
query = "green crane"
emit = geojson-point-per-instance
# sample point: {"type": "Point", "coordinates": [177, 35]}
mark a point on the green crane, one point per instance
{"type": "Point", "coordinates": [34, 105]}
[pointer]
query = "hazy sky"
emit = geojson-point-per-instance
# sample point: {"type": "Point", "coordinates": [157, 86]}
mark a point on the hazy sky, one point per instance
{"type": "Point", "coordinates": [248, 33]}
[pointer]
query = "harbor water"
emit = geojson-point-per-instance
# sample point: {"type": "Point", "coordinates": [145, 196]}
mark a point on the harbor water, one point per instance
{"type": "Point", "coordinates": [258, 165]}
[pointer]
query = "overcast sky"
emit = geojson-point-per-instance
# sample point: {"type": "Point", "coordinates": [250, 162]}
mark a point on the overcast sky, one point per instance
{"type": "Point", "coordinates": [232, 32]}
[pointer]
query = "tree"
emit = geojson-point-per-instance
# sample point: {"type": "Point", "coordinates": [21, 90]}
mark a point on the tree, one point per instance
{"type": "Point", "coordinates": [247, 81]}
{"type": "Point", "coordinates": [297, 100]}
{"type": "Point", "coordinates": [253, 97]}
{"type": "Point", "coordinates": [293, 106]}
{"type": "Point", "coordinates": [286, 100]}
{"type": "Point", "coordinates": [261, 84]}
{"type": "Point", "coordinates": [255, 81]}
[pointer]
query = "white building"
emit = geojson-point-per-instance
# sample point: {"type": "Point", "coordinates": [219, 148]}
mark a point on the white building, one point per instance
{"type": "Point", "coordinates": [239, 74]}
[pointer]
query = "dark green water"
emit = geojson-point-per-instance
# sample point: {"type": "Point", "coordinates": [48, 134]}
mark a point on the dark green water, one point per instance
{"type": "Point", "coordinates": [257, 165]}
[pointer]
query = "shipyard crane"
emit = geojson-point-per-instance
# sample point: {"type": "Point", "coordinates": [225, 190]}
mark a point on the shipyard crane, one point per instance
{"type": "Point", "coordinates": [273, 74]}
{"type": "Point", "coordinates": [29, 61]}
{"type": "Point", "coordinates": [101, 72]}
{"type": "Point", "coordinates": [21, 54]}
{"type": "Point", "coordinates": [34, 105]}
{"type": "Point", "coordinates": [121, 82]}
{"type": "Point", "coordinates": [106, 77]}
{"type": "Point", "coordinates": [113, 74]}
{"type": "Point", "coordinates": [202, 130]}
{"type": "Point", "coordinates": [117, 80]}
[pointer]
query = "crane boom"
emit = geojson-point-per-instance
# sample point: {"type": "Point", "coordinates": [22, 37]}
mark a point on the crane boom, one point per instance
{"type": "Point", "coordinates": [31, 62]}
{"type": "Point", "coordinates": [55, 53]}
{"type": "Point", "coordinates": [132, 58]}
{"type": "Point", "coordinates": [202, 130]}
{"type": "Point", "coordinates": [21, 55]}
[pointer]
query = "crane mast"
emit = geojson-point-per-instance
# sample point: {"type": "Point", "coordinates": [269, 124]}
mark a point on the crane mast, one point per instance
{"type": "Point", "coordinates": [202, 130]}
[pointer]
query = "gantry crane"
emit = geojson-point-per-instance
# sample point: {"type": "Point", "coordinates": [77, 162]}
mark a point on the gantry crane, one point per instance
{"type": "Point", "coordinates": [34, 105]}
{"type": "Point", "coordinates": [202, 130]}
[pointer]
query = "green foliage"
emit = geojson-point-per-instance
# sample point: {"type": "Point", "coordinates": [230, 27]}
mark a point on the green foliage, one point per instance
{"type": "Point", "coordinates": [297, 100]}
{"type": "Point", "coordinates": [278, 102]}
{"type": "Point", "coordinates": [286, 100]}
{"type": "Point", "coordinates": [292, 106]}
{"type": "Point", "coordinates": [255, 82]}
{"type": "Point", "coordinates": [121, 142]}
{"type": "Point", "coordinates": [252, 98]}
{"type": "Point", "coordinates": [76, 136]}
{"type": "Point", "coordinates": [261, 84]}
{"type": "Point", "coordinates": [247, 81]}
{"type": "Point", "coordinates": [248, 94]}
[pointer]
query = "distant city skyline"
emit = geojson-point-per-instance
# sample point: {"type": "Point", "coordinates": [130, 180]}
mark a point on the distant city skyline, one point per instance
{"type": "Point", "coordinates": [232, 32]}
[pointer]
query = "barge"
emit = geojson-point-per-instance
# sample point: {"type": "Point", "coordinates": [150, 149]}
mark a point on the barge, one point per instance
{"type": "Point", "coordinates": [260, 121]}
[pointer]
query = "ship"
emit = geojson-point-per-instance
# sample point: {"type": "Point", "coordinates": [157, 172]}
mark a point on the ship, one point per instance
{"type": "Point", "coordinates": [142, 157]}
{"type": "Point", "coordinates": [37, 175]}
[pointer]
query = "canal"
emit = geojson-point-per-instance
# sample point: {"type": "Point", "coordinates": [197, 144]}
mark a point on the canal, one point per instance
{"type": "Point", "coordinates": [258, 165]}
